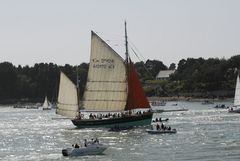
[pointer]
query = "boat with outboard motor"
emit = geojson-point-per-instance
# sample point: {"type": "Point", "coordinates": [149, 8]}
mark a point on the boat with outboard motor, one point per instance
{"type": "Point", "coordinates": [231, 110]}
{"type": "Point", "coordinates": [161, 129]}
{"type": "Point", "coordinates": [89, 148]}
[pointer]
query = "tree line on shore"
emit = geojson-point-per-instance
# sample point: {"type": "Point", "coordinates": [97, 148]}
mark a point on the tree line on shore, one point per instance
{"type": "Point", "coordinates": [193, 75]}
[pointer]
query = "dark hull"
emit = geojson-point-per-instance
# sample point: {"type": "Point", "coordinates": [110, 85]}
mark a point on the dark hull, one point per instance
{"type": "Point", "coordinates": [122, 122]}
{"type": "Point", "coordinates": [234, 109]}
{"type": "Point", "coordinates": [162, 131]}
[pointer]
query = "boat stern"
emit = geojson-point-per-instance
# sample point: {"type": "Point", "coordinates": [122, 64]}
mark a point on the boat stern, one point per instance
{"type": "Point", "coordinates": [66, 152]}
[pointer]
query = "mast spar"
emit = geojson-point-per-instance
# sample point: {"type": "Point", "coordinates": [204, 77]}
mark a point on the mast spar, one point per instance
{"type": "Point", "coordinates": [126, 42]}
{"type": "Point", "coordinates": [78, 93]}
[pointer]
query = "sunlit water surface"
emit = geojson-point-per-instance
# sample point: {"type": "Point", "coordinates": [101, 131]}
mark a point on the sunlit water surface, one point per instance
{"type": "Point", "coordinates": [203, 133]}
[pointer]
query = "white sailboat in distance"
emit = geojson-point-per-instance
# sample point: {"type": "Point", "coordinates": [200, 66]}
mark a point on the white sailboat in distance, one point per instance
{"type": "Point", "coordinates": [46, 105]}
{"type": "Point", "coordinates": [236, 103]}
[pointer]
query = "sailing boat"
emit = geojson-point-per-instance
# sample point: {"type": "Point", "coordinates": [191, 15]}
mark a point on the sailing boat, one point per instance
{"type": "Point", "coordinates": [113, 95]}
{"type": "Point", "coordinates": [67, 104]}
{"type": "Point", "coordinates": [236, 103]}
{"type": "Point", "coordinates": [46, 105]}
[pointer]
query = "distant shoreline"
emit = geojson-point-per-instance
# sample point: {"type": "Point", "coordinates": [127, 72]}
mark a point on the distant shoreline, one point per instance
{"type": "Point", "coordinates": [172, 98]}
{"type": "Point", "coordinates": [190, 99]}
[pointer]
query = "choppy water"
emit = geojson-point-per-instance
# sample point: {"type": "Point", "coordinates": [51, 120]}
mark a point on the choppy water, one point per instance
{"type": "Point", "coordinates": [204, 133]}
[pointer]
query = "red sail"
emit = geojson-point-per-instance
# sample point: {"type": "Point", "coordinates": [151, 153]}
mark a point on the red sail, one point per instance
{"type": "Point", "coordinates": [136, 97]}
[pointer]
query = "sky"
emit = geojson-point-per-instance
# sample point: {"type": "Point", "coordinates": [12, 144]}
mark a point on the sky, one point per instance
{"type": "Point", "coordinates": [59, 31]}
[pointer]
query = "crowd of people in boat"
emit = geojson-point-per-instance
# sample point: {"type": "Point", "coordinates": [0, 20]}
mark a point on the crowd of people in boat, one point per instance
{"type": "Point", "coordinates": [159, 119]}
{"type": "Point", "coordinates": [221, 106]}
{"type": "Point", "coordinates": [231, 109]}
{"type": "Point", "coordinates": [161, 127]}
{"type": "Point", "coordinates": [113, 115]}
{"type": "Point", "coordinates": [86, 143]}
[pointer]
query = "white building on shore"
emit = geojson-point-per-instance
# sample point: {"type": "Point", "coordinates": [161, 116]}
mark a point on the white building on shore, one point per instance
{"type": "Point", "coordinates": [164, 74]}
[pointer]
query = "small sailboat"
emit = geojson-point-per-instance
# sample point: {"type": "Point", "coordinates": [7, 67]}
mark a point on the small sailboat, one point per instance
{"type": "Point", "coordinates": [236, 103]}
{"type": "Point", "coordinates": [46, 105]}
{"type": "Point", "coordinates": [113, 95]}
{"type": "Point", "coordinates": [156, 129]}
{"type": "Point", "coordinates": [67, 104]}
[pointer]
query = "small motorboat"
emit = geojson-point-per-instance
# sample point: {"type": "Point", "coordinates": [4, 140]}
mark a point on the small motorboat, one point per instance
{"type": "Point", "coordinates": [222, 106]}
{"type": "Point", "coordinates": [172, 131]}
{"type": "Point", "coordinates": [93, 148]}
{"type": "Point", "coordinates": [160, 120]}
{"type": "Point", "coordinates": [236, 110]}
{"type": "Point", "coordinates": [161, 129]}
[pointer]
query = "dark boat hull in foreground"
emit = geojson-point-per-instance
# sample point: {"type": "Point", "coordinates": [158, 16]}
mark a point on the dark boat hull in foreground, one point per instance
{"type": "Point", "coordinates": [173, 131]}
{"type": "Point", "coordinates": [121, 122]}
{"type": "Point", "coordinates": [234, 110]}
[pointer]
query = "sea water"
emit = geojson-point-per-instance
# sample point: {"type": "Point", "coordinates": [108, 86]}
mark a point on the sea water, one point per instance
{"type": "Point", "coordinates": [203, 134]}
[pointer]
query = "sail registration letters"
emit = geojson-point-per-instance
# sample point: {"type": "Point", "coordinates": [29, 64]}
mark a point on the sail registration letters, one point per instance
{"type": "Point", "coordinates": [103, 63]}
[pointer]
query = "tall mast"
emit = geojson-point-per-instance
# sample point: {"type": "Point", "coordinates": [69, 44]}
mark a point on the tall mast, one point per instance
{"type": "Point", "coordinates": [126, 42]}
{"type": "Point", "coordinates": [127, 61]}
{"type": "Point", "coordinates": [77, 88]}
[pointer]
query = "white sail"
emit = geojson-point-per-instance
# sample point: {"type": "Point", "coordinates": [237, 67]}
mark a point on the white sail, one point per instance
{"type": "Point", "coordinates": [106, 88]}
{"type": "Point", "coordinates": [237, 93]}
{"type": "Point", "coordinates": [67, 97]}
{"type": "Point", "coordinates": [45, 104]}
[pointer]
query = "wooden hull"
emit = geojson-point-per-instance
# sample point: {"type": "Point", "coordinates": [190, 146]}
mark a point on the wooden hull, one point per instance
{"type": "Point", "coordinates": [122, 122]}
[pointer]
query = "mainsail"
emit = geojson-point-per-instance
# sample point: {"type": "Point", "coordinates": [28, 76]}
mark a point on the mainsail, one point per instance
{"type": "Point", "coordinates": [106, 84]}
{"type": "Point", "coordinates": [67, 97]}
{"type": "Point", "coordinates": [237, 93]}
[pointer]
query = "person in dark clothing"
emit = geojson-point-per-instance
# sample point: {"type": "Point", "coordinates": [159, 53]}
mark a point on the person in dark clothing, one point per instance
{"type": "Point", "coordinates": [162, 126]}
{"type": "Point", "coordinates": [76, 146]}
{"type": "Point", "coordinates": [85, 142]}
